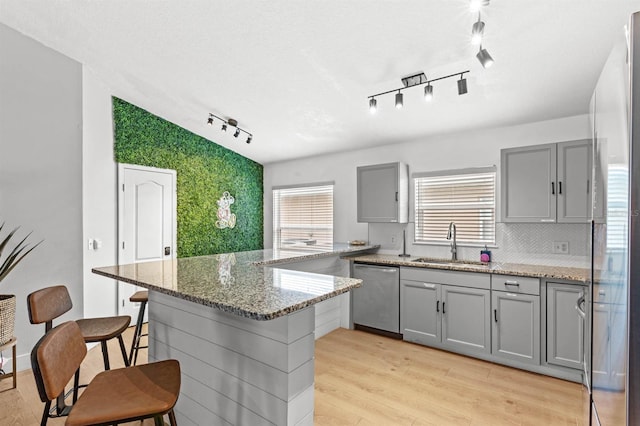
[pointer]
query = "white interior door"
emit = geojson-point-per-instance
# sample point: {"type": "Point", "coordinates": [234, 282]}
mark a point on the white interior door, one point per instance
{"type": "Point", "coordinates": [146, 222]}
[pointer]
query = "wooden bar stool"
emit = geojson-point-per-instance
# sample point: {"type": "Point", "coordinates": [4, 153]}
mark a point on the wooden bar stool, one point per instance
{"type": "Point", "coordinates": [142, 297]}
{"type": "Point", "coordinates": [114, 396]}
{"type": "Point", "coordinates": [49, 303]}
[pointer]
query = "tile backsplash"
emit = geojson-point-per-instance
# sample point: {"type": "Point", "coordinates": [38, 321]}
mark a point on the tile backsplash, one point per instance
{"type": "Point", "coordinates": [530, 243]}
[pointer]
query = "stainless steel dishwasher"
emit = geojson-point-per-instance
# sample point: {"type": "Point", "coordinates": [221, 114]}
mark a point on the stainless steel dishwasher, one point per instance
{"type": "Point", "coordinates": [377, 303]}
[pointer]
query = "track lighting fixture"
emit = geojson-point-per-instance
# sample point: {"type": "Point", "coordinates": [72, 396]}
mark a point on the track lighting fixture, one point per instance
{"type": "Point", "coordinates": [229, 122]}
{"type": "Point", "coordinates": [476, 5]}
{"type": "Point", "coordinates": [462, 85]}
{"type": "Point", "coordinates": [418, 80]}
{"type": "Point", "coordinates": [428, 92]}
{"type": "Point", "coordinates": [477, 31]}
{"type": "Point", "coordinates": [399, 100]}
{"type": "Point", "coordinates": [373, 105]}
{"type": "Point", "coordinates": [485, 59]}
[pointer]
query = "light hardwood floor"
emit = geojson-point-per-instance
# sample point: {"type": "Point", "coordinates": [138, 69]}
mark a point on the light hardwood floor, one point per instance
{"type": "Point", "coordinates": [365, 379]}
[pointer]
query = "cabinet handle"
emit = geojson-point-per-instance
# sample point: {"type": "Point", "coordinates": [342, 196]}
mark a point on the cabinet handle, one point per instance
{"type": "Point", "coordinates": [560, 188]}
{"type": "Point", "coordinates": [553, 188]}
{"type": "Point", "coordinates": [579, 302]}
{"type": "Point", "coordinates": [437, 306]}
{"type": "Point", "coordinates": [396, 195]}
{"type": "Point", "coordinates": [495, 315]}
{"type": "Point", "coordinates": [443, 311]}
{"type": "Point", "coordinates": [515, 283]}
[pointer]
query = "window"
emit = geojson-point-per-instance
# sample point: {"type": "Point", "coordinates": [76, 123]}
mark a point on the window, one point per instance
{"type": "Point", "coordinates": [303, 217]}
{"type": "Point", "coordinates": [466, 197]}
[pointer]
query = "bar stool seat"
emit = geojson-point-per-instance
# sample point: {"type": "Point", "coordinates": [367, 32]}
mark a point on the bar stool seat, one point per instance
{"type": "Point", "coordinates": [124, 395]}
{"type": "Point", "coordinates": [106, 328]}
{"type": "Point", "coordinates": [141, 297]}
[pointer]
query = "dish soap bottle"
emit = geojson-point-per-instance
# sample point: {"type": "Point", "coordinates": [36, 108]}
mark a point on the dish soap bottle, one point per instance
{"type": "Point", "coordinates": [485, 255]}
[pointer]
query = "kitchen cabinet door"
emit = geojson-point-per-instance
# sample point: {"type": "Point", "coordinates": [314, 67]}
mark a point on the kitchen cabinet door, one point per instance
{"type": "Point", "coordinates": [420, 320]}
{"type": "Point", "coordinates": [383, 193]}
{"type": "Point", "coordinates": [574, 174]}
{"type": "Point", "coordinates": [516, 326]}
{"type": "Point", "coordinates": [565, 327]}
{"type": "Point", "coordinates": [465, 319]}
{"type": "Point", "coordinates": [528, 176]}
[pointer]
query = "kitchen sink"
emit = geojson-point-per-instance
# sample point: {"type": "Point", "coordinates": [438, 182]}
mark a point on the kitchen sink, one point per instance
{"type": "Point", "coordinates": [449, 262]}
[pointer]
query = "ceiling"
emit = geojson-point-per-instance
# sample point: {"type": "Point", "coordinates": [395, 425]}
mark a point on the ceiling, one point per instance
{"type": "Point", "coordinates": [297, 74]}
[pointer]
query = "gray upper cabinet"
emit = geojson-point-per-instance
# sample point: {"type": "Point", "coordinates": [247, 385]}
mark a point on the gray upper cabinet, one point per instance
{"type": "Point", "coordinates": [383, 193]}
{"type": "Point", "coordinates": [574, 169]}
{"type": "Point", "coordinates": [546, 183]}
{"type": "Point", "coordinates": [527, 175]}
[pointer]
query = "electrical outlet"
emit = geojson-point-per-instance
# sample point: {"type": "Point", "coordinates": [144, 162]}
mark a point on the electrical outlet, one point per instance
{"type": "Point", "coordinates": [561, 247]}
{"type": "Point", "coordinates": [393, 239]}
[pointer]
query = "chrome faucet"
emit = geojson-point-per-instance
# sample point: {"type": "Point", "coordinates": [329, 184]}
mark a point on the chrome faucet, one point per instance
{"type": "Point", "coordinates": [454, 246]}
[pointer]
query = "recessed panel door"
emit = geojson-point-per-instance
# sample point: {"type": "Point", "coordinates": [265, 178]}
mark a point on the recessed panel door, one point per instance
{"type": "Point", "coordinates": [146, 224]}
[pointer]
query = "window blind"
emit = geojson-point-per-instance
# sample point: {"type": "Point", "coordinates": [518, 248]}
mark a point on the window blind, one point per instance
{"type": "Point", "coordinates": [303, 217]}
{"type": "Point", "coordinates": [468, 199]}
{"type": "Point", "coordinates": [617, 207]}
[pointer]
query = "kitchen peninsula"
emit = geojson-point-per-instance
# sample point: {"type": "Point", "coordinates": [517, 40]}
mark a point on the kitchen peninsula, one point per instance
{"type": "Point", "coordinates": [249, 360]}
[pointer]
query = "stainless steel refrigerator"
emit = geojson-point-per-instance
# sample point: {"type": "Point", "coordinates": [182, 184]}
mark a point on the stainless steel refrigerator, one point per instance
{"type": "Point", "coordinates": [613, 364]}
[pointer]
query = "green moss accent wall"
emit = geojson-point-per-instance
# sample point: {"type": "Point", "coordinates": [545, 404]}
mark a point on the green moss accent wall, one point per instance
{"type": "Point", "coordinates": [205, 171]}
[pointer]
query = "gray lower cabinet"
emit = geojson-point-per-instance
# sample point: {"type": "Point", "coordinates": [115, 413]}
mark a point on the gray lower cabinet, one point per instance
{"type": "Point", "coordinates": [516, 326]}
{"type": "Point", "coordinates": [436, 313]}
{"type": "Point", "coordinates": [464, 319]}
{"type": "Point", "coordinates": [565, 327]}
{"type": "Point", "coordinates": [420, 319]}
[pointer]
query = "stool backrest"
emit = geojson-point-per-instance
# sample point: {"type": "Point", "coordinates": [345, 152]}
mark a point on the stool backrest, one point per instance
{"type": "Point", "coordinates": [47, 304]}
{"type": "Point", "coordinates": [55, 359]}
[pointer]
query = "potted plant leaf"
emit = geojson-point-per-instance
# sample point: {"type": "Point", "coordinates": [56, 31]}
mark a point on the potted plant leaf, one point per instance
{"type": "Point", "coordinates": [7, 263]}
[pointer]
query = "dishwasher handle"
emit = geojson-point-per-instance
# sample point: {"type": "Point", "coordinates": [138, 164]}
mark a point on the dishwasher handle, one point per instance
{"type": "Point", "coordinates": [385, 270]}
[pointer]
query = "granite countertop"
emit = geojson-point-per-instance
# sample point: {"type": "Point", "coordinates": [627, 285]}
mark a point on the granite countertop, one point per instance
{"type": "Point", "coordinates": [519, 269]}
{"type": "Point", "coordinates": [243, 283]}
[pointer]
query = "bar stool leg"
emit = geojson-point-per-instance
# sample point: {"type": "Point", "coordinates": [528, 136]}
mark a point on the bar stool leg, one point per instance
{"type": "Point", "coordinates": [137, 334]}
{"type": "Point", "coordinates": [105, 354]}
{"type": "Point", "coordinates": [124, 351]}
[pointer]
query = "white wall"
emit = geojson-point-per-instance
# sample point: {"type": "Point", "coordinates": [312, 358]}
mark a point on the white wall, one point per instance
{"type": "Point", "coordinates": [453, 151]}
{"type": "Point", "coordinates": [40, 172]}
{"type": "Point", "coordinates": [99, 177]}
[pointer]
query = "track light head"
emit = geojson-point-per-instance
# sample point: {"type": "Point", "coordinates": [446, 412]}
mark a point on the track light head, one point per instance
{"type": "Point", "coordinates": [373, 105]}
{"type": "Point", "coordinates": [224, 127]}
{"type": "Point", "coordinates": [428, 92]}
{"type": "Point", "coordinates": [236, 133]}
{"type": "Point", "coordinates": [249, 139]}
{"type": "Point", "coordinates": [210, 120]}
{"type": "Point", "coordinates": [399, 100]}
{"type": "Point", "coordinates": [485, 59]}
{"type": "Point", "coordinates": [477, 31]}
{"type": "Point", "coordinates": [476, 5]}
{"type": "Point", "coordinates": [462, 85]}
